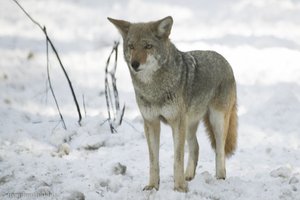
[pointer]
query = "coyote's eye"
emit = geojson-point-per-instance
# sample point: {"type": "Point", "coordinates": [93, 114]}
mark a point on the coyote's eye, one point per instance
{"type": "Point", "coordinates": [148, 46]}
{"type": "Point", "coordinates": [131, 46]}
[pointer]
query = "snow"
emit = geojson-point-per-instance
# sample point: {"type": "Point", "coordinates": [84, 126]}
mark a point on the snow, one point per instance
{"type": "Point", "coordinates": [41, 160]}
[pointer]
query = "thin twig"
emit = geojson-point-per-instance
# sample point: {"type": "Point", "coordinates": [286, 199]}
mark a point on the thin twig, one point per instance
{"type": "Point", "coordinates": [114, 78]}
{"type": "Point", "coordinates": [103, 122]}
{"type": "Point", "coordinates": [107, 93]}
{"type": "Point", "coordinates": [28, 15]}
{"type": "Point", "coordinates": [83, 102]}
{"type": "Point", "coordinates": [107, 99]}
{"type": "Point", "coordinates": [122, 115]}
{"type": "Point", "coordinates": [115, 115]}
{"type": "Point", "coordinates": [132, 126]}
{"type": "Point", "coordinates": [51, 88]}
{"type": "Point", "coordinates": [58, 58]}
{"type": "Point", "coordinates": [68, 79]}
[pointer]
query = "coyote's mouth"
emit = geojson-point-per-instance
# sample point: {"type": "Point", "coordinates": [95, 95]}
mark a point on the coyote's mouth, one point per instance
{"type": "Point", "coordinates": [137, 70]}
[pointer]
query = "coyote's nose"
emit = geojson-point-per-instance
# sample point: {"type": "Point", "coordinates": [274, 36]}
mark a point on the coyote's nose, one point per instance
{"type": "Point", "coordinates": [135, 65]}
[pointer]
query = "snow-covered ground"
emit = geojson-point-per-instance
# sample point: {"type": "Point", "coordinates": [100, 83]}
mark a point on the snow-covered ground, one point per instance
{"type": "Point", "coordinates": [261, 40]}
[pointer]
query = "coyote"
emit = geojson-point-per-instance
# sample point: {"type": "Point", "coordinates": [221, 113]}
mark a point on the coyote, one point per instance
{"type": "Point", "coordinates": [180, 89]}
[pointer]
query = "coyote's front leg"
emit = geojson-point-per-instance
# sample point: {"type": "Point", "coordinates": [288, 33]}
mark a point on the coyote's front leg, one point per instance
{"type": "Point", "coordinates": [152, 131]}
{"type": "Point", "coordinates": [179, 132]}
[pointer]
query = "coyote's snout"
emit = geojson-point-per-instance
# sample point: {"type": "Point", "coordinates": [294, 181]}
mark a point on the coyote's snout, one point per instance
{"type": "Point", "coordinates": [135, 65]}
{"type": "Point", "coordinates": [180, 89]}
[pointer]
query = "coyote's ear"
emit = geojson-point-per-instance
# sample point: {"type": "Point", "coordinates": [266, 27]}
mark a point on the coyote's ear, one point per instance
{"type": "Point", "coordinates": [164, 26]}
{"type": "Point", "coordinates": [122, 26]}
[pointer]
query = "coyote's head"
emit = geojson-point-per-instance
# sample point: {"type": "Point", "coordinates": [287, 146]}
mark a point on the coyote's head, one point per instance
{"type": "Point", "coordinates": [145, 45]}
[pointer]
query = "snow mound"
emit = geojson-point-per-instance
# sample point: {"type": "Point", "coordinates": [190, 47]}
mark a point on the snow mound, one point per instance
{"type": "Point", "coordinates": [282, 172]}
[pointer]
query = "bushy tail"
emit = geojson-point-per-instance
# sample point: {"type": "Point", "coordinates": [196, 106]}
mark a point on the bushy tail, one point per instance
{"type": "Point", "coordinates": [231, 139]}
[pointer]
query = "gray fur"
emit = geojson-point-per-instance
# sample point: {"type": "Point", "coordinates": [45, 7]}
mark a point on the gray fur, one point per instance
{"type": "Point", "coordinates": [180, 89]}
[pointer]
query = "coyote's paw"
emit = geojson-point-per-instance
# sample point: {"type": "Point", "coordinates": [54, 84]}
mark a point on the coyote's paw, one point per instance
{"type": "Point", "coordinates": [221, 177]}
{"type": "Point", "coordinates": [189, 175]}
{"type": "Point", "coordinates": [150, 187]}
{"type": "Point", "coordinates": [181, 188]}
{"type": "Point", "coordinates": [221, 174]}
{"type": "Point", "coordinates": [189, 178]}
{"type": "Point", "coordinates": [190, 171]}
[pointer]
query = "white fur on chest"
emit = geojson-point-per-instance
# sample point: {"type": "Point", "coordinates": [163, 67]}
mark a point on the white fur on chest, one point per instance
{"type": "Point", "coordinates": [146, 70]}
{"type": "Point", "coordinates": [168, 112]}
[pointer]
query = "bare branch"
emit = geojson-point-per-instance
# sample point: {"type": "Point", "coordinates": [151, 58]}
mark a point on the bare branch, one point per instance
{"type": "Point", "coordinates": [83, 102]}
{"type": "Point", "coordinates": [67, 77]}
{"type": "Point", "coordinates": [58, 58]}
{"type": "Point", "coordinates": [115, 115]}
{"type": "Point", "coordinates": [35, 22]}
{"type": "Point", "coordinates": [51, 88]}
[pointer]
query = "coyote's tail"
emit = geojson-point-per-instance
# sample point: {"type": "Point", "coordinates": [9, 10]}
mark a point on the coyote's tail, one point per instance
{"type": "Point", "coordinates": [231, 136]}
{"type": "Point", "coordinates": [231, 139]}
